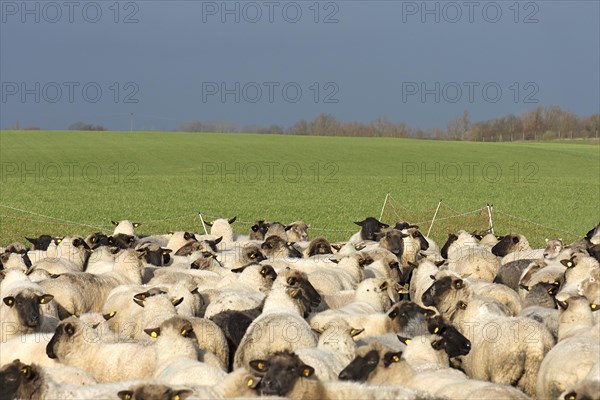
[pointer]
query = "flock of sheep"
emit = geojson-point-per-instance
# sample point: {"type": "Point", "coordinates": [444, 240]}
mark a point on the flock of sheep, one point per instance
{"type": "Point", "coordinates": [387, 314]}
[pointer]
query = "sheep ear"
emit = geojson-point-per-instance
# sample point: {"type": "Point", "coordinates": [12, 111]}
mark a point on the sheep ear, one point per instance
{"type": "Point", "coordinates": [139, 298]}
{"type": "Point", "coordinates": [254, 228]}
{"type": "Point", "coordinates": [288, 227]}
{"type": "Point", "coordinates": [165, 251]}
{"type": "Point", "coordinates": [439, 263]}
{"type": "Point", "coordinates": [334, 260]}
{"type": "Point", "coordinates": [218, 240]}
{"type": "Point", "coordinates": [568, 263]}
{"type": "Point", "coordinates": [462, 305]}
{"type": "Point", "coordinates": [239, 270]}
{"type": "Point", "coordinates": [251, 381]}
{"type": "Point", "coordinates": [318, 330]}
{"type": "Point", "coordinates": [258, 365]}
{"type": "Point", "coordinates": [47, 298]}
{"type": "Point", "coordinates": [232, 220]}
{"type": "Point", "coordinates": [359, 246]}
{"type": "Point", "coordinates": [115, 223]}
{"type": "Point", "coordinates": [208, 223]}
{"type": "Point", "coordinates": [356, 332]}
{"type": "Point", "coordinates": [562, 304]}
{"type": "Point", "coordinates": [153, 332]}
{"type": "Point", "coordinates": [359, 223]}
{"type": "Point", "coordinates": [524, 287]}
{"type": "Point", "coordinates": [125, 394]}
{"type": "Point", "coordinates": [404, 340]}
{"type": "Point", "coordinates": [438, 344]}
{"type": "Point", "coordinates": [9, 301]}
{"type": "Point", "coordinates": [177, 302]}
{"type": "Point", "coordinates": [336, 246]}
{"type": "Point", "coordinates": [136, 224]}
{"type": "Point", "coordinates": [182, 394]}
{"type": "Point", "coordinates": [109, 315]}
{"type": "Point", "coordinates": [307, 371]}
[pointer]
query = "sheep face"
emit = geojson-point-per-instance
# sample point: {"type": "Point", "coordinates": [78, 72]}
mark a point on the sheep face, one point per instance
{"type": "Point", "coordinates": [319, 245]}
{"type": "Point", "coordinates": [274, 246]}
{"type": "Point", "coordinates": [367, 362]}
{"type": "Point", "coordinates": [66, 332]}
{"type": "Point", "coordinates": [96, 240]}
{"type": "Point", "coordinates": [297, 231]}
{"type": "Point", "coordinates": [280, 373]}
{"type": "Point", "coordinates": [11, 378]}
{"type": "Point", "coordinates": [370, 227]}
{"type": "Point", "coordinates": [593, 236]}
{"type": "Point", "coordinates": [259, 230]}
{"type": "Point", "coordinates": [156, 255]}
{"type": "Point", "coordinates": [442, 290]}
{"type": "Point", "coordinates": [508, 244]}
{"type": "Point", "coordinates": [404, 312]}
{"type": "Point", "coordinates": [392, 241]}
{"type": "Point", "coordinates": [252, 254]}
{"type": "Point", "coordinates": [454, 343]}
{"type": "Point", "coordinates": [154, 392]}
{"type": "Point", "coordinates": [553, 248]}
{"type": "Point", "coordinates": [27, 306]}
{"type": "Point", "coordinates": [41, 243]}
{"type": "Point", "coordinates": [451, 239]}
{"type": "Point", "coordinates": [125, 227]}
{"type": "Point", "coordinates": [122, 241]}
{"type": "Point", "coordinates": [542, 294]}
{"type": "Point", "coordinates": [298, 280]}
{"type": "Point", "coordinates": [416, 234]}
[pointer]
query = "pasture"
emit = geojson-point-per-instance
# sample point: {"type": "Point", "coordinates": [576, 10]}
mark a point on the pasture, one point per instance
{"type": "Point", "coordinates": [163, 178]}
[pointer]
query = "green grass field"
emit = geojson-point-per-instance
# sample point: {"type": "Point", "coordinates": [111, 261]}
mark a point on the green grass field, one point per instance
{"type": "Point", "coordinates": [93, 177]}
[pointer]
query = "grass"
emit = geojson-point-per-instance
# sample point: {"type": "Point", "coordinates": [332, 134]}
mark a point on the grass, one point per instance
{"type": "Point", "coordinates": [94, 177]}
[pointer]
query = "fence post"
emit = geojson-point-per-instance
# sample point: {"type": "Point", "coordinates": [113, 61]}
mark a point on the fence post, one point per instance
{"type": "Point", "coordinates": [490, 222]}
{"type": "Point", "coordinates": [202, 221]}
{"type": "Point", "coordinates": [383, 208]}
{"type": "Point", "coordinates": [434, 215]}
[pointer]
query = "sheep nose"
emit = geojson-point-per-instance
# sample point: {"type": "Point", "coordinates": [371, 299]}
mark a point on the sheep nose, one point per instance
{"type": "Point", "coordinates": [345, 375]}
{"type": "Point", "coordinates": [427, 299]}
{"type": "Point", "coordinates": [33, 321]}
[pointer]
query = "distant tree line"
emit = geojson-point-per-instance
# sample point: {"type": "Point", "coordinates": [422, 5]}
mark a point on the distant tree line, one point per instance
{"type": "Point", "coordinates": [82, 126]}
{"type": "Point", "coordinates": [542, 123]}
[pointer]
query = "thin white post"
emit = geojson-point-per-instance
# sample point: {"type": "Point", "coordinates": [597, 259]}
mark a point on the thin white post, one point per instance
{"type": "Point", "coordinates": [490, 222]}
{"type": "Point", "coordinates": [383, 208]}
{"type": "Point", "coordinates": [434, 215]}
{"type": "Point", "coordinates": [202, 221]}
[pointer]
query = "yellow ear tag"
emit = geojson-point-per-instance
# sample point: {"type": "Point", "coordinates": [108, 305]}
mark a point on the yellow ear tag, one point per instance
{"type": "Point", "coordinates": [306, 372]}
{"type": "Point", "coordinates": [24, 370]}
{"type": "Point", "coordinates": [42, 300]}
{"type": "Point", "coordinates": [112, 314]}
{"type": "Point", "coordinates": [183, 332]}
{"type": "Point", "coordinates": [593, 306]}
{"type": "Point", "coordinates": [154, 334]}
{"type": "Point", "coordinates": [407, 341]}
{"type": "Point", "coordinates": [250, 382]}
{"type": "Point", "coordinates": [176, 397]}
{"type": "Point", "coordinates": [396, 358]}
{"type": "Point", "coordinates": [260, 366]}
{"type": "Point", "coordinates": [569, 264]}
{"type": "Point", "coordinates": [10, 302]}
{"type": "Point", "coordinates": [436, 330]}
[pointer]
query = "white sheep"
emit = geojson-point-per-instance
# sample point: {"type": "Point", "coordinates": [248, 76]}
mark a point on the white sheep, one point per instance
{"type": "Point", "coordinates": [467, 258]}
{"type": "Point", "coordinates": [279, 327]}
{"type": "Point", "coordinates": [125, 227]}
{"type": "Point", "coordinates": [335, 350]}
{"type": "Point", "coordinates": [78, 293]}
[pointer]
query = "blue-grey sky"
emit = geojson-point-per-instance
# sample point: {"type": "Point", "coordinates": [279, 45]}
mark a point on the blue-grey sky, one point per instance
{"type": "Point", "coordinates": [178, 61]}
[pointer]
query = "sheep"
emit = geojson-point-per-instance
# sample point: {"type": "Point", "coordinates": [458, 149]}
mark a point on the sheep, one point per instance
{"type": "Point", "coordinates": [385, 265]}
{"type": "Point", "coordinates": [271, 332]}
{"type": "Point", "coordinates": [155, 255]}
{"type": "Point", "coordinates": [588, 389]}
{"type": "Point", "coordinates": [36, 383]}
{"type": "Point", "coordinates": [369, 228]}
{"type": "Point", "coordinates": [590, 288]}
{"type": "Point", "coordinates": [448, 288]}
{"type": "Point", "coordinates": [540, 305]}
{"type": "Point", "coordinates": [319, 245]}
{"type": "Point", "coordinates": [276, 229]}
{"type": "Point", "coordinates": [177, 354]}
{"type": "Point", "coordinates": [274, 246]}
{"type": "Point", "coordinates": [101, 261]}
{"type": "Point", "coordinates": [259, 230]}
{"type": "Point", "coordinates": [576, 318]}
{"type": "Point", "coordinates": [78, 293]}
{"type": "Point", "coordinates": [567, 363]}
{"type": "Point", "coordinates": [285, 375]}
{"type": "Point", "coordinates": [541, 271]}
{"type": "Point", "coordinates": [579, 268]}
{"type": "Point", "coordinates": [414, 242]}
{"type": "Point", "coordinates": [297, 231]}
{"type": "Point", "coordinates": [514, 246]}
{"type": "Point", "coordinates": [179, 239]}
{"type": "Point", "coordinates": [97, 239]}
{"type": "Point", "coordinates": [466, 257]}
{"type": "Point", "coordinates": [32, 347]}
{"type": "Point", "coordinates": [334, 350]}
{"type": "Point", "coordinates": [26, 307]}
{"type": "Point", "coordinates": [553, 248]}
{"type": "Point", "coordinates": [222, 228]}
{"type": "Point", "coordinates": [41, 242]}
{"type": "Point", "coordinates": [423, 276]}
{"type": "Point", "coordinates": [125, 227]}
{"type": "Point", "coordinates": [15, 261]}
{"type": "Point", "coordinates": [494, 360]}
{"type": "Point", "coordinates": [241, 256]}
{"type": "Point", "coordinates": [122, 241]}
